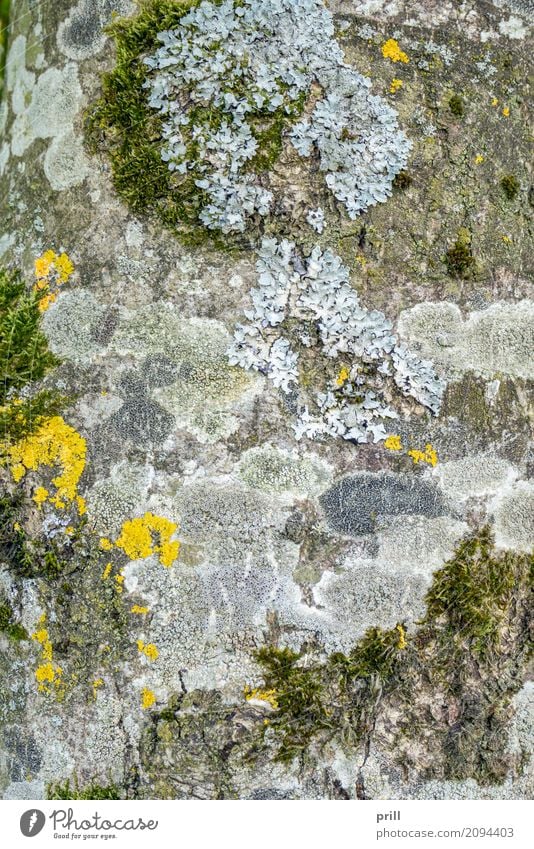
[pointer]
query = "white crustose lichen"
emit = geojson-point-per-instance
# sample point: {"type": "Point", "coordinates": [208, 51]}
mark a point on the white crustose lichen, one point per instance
{"type": "Point", "coordinates": [231, 67]}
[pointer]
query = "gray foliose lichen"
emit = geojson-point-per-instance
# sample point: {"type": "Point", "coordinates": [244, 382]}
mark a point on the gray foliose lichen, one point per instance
{"type": "Point", "coordinates": [229, 67]}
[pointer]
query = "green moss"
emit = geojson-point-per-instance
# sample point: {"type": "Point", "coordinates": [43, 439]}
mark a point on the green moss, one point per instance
{"type": "Point", "coordinates": [123, 124]}
{"type": "Point", "coordinates": [92, 791]}
{"type": "Point", "coordinates": [4, 23]}
{"type": "Point", "coordinates": [128, 130]}
{"type": "Point", "coordinates": [27, 557]}
{"type": "Point", "coordinates": [470, 595]}
{"type": "Point", "coordinates": [468, 655]}
{"type": "Point", "coordinates": [12, 629]}
{"type": "Point", "coordinates": [456, 105]}
{"type": "Point", "coordinates": [318, 696]}
{"type": "Point", "coordinates": [471, 653]}
{"type": "Point", "coordinates": [459, 258]}
{"type": "Point", "coordinates": [403, 180]}
{"type": "Point", "coordinates": [24, 358]}
{"type": "Point", "coordinates": [510, 186]}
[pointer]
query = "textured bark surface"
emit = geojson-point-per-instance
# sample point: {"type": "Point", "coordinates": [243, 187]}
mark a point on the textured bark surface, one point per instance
{"type": "Point", "coordinates": [283, 542]}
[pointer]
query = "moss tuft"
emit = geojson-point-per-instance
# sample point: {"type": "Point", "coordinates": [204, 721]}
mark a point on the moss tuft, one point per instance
{"type": "Point", "coordinates": [403, 180]}
{"type": "Point", "coordinates": [4, 23]}
{"type": "Point", "coordinates": [510, 186]}
{"type": "Point", "coordinates": [459, 258]}
{"type": "Point", "coordinates": [27, 558]}
{"type": "Point", "coordinates": [90, 791]}
{"type": "Point", "coordinates": [471, 594]}
{"type": "Point", "coordinates": [11, 629]}
{"type": "Point", "coordinates": [24, 357]}
{"type": "Point", "coordinates": [456, 105]}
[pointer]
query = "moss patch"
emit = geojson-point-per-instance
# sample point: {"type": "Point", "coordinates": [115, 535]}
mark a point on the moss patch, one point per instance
{"type": "Point", "coordinates": [93, 790]}
{"type": "Point", "coordinates": [4, 22]}
{"type": "Point", "coordinates": [27, 557]}
{"type": "Point", "coordinates": [456, 105]}
{"type": "Point", "coordinates": [510, 186]}
{"type": "Point", "coordinates": [8, 626]}
{"type": "Point", "coordinates": [469, 654]}
{"type": "Point", "coordinates": [459, 258]}
{"type": "Point", "coordinates": [24, 358]}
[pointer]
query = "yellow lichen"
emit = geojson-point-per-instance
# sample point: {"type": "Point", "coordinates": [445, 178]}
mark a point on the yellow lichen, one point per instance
{"type": "Point", "coordinates": [506, 111]}
{"type": "Point", "coordinates": [40, 495]}
{"type": "Point", "coordinates": [343, 376]}
{"type": "Point", "coordinates": [47, 672]}
{"type": "Point", "coordinates": [107, 571]}
{"type": "Point", "coordinates": [54, 443]}
{"type": "Point", "coordinates": [52, 271]}
{"type": "Point", "coordinates": [495, 101]}
{"type": "Point", "coordinates": [429, 455]}
{"type": "Point", "coordinates": [393, 443]}
{"type": "Point", "coordinates": [96, 684]}
{"type": "Point", "coordinates": [136, 538]}
{"type": "Point", "coordinates": [479, 159]}
{"type": "Point", "coordinates": [256, 694]}
{"type": "Point", "coordinates": [41, 635]}
{"type": "Point", "coordinates": [148, 649]}
{"type": "Point", "coordinates": [391, 50]}
{"type": "Point", "coordinates": [138, 609]}
{"type": "Point", "coordinates": [402, 637]}
{"type": "Point", "coordinates": [119, 581]}
{"type": "Point", "coordinates": [147, 698]}
{"type": "Point", "coordinates": [395, 85]}
{"type": "Point", "coordinates": [106, 544]}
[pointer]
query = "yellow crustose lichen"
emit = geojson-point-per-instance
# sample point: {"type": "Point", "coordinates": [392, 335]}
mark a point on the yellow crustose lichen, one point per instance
{"type": "Point", "coordinates": [429, 455]}
{"type": "Point", "coordinates": [54, 443]}
{"type": "Point", "coordinates": [147, 698]}
{"type": "Point", "coordinates": [393, 443]}
{"type": "Point", "coordinates": [52, 271]}
{"type": "Point", "coordinates": [343, 376]}
{"type": "Point", "coordinates": [402, 637]}
{"type": "Point", "coordinates": [395, 85]}
{"type": "Point", "coordinates": [137, 539]}
{"type": "Point", "coordinates": [47, 672]}
{"type": "Point", "coordinates": [148, 649]}
{"type": "Point", "coordinates": [267, 696]}
{"type": "Point", "coordinates": [391, 50]}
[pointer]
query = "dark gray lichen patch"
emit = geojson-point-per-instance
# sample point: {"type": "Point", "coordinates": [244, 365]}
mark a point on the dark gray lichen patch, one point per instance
{"type": "Point", "coordinates": [23, 755]}
{"type": "Point", "coordinates": [353, 505]}
{"type": "Point", "coordinates": [141, 419]}
{"type": "Point", "coordinates": [80, 35]}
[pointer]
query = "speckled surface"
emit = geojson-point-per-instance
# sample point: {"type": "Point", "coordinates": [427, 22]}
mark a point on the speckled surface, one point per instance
{"type": "Point", "coordinates": [280, 539]}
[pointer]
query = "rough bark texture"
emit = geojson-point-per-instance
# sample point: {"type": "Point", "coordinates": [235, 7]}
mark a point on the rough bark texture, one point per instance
{"type": "Point", "coordinates": [286, 543]}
